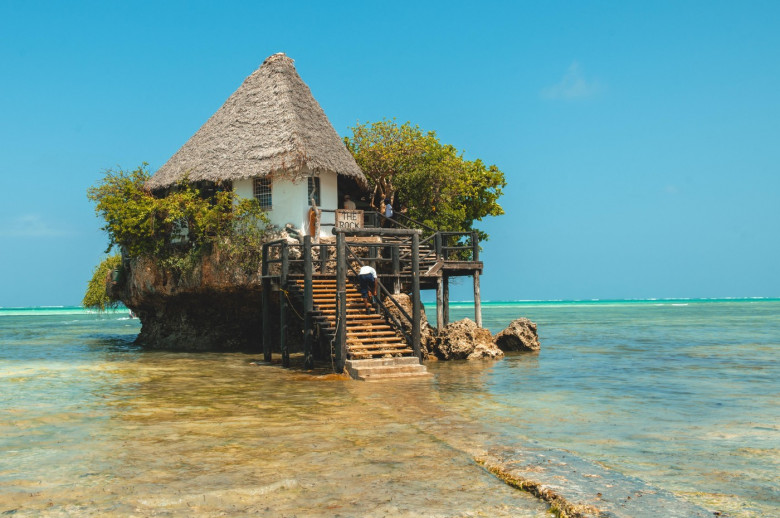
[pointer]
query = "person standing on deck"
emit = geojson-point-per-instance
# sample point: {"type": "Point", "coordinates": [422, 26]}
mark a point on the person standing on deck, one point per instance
{"type": "Point", "coordinates": [368, 284]}
{"type": "Point", "coordinates": [348, 203]}
{"type": "Point", "coordinates": [388, 213]}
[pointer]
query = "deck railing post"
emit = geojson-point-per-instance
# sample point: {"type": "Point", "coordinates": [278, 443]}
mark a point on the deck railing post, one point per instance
{"type": "Point", "coordinates": [416, 295]}
{"type": "Point", "coordinates": [396, 255]}
{"type": "Point", "coordinates": [341, 302]}
{"type": "Point", "coordinates": [474, 246]}
{"type": "Point", "coordinates": [323, 258]}
{"type": "Point", "coordinates": [437, 245]}
{"type": "Point", "coordinates": [373, 254]}
{"type": "Point", "coordinates": [308, 304]}
{"type": "Point", "coordinates": [283, 306]}
{"type": "Point", "coordinates": [266, 302]}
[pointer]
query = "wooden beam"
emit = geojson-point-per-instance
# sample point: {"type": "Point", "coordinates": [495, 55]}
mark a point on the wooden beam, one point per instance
{"type": "Point", "coordinates": [341, 302]}
{"type": "Point", "coordinates": [396, 256]}
{"type": "Point", "coordinates": [283, 306]}
{"type": "Point", "coordinates": [308, 304]}
{"type": "Point", "coordinates": [266, 302]}
{"type": "Point", "coordinates": [477, 301]}
{"type": "Point", "coordinates": [377, 231]}
{"type": "Point", "coordinates": [416, 306]}
{"type": "Point", "coordinates": [440, 303]}
{"type": "Point", "coordinates": [445, 298]}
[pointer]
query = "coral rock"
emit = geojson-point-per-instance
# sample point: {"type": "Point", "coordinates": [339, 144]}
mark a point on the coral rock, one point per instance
{"type": "Point", "coordinates": [464, 340]}
{"type": "Point", "coordinates": [520, 335]}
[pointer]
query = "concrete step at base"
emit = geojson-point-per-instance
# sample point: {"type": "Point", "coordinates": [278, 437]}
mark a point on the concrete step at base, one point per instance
{"type": "Point", "coordinates": [386, 368]}
{"type": "Point", "coordinates": [384, 377]}
{"type": "Point", "coordinates": [381, 362]}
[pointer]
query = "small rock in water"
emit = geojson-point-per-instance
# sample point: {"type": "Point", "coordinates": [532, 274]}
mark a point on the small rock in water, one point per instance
{"type": "Point", "coordinates": [520, 335]}
{"type": "Point", "coordinates": [464, 340]}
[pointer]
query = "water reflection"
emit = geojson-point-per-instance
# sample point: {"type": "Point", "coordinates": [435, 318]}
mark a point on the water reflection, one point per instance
{"type": "Point", "coordinates": [130, 432]}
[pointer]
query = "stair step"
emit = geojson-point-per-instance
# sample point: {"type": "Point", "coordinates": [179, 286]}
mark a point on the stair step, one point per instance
{"type": "Point", "coordinates": [370, 354]}
{"type": "Point", "coordinates": [380, 362]}
{"type": "Point", "coordinates": [376, 344]}
{"type": "Point", "coordinates": [384, 368]}
{"type": "Point", "coordinates": [366, 341]}
{"type": "Point", "coordinates": [381, 377]}
{"type": "Point", "coordinates": [368, 331]}
{"type": "Point", "coordinates": [390, 369]}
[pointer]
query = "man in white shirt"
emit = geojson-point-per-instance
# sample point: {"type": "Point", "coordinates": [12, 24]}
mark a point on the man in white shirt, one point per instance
{"type": "Point", "coordinates": [368, 284]}
{"type": "Point", "coordinates": [388, 212]}
{"type": "Point", "coordinates": [348, 203]}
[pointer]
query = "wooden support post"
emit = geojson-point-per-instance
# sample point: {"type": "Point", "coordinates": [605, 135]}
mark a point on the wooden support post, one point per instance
{"type": "Point", "coordinates": [477, 301]}
{"type": "Point", "coordinates": [373, 253]}
{"type": "Point", "coordinates": [416, 296]}
{"type": "Point", "coordinates": [474, 246]}
{"type": "Point", "coordinates": [396, 255]}
{"type": "Point", "coordinates": [445, 296]}
{"type": "Point", "coordinates": [437, 245]}
{"type": "Point", "coordinates": [283, 307]}
{"type": "Point", "coordinates": [440, 302]}
{"type": "Point", "coordinates": [341, 302]}
{"type": "Point", "coordinates": [323, 258]}
{"type": "Point", "coordinates": [308, 304]}
{"type": "Point", "coordinates": [266, 301]}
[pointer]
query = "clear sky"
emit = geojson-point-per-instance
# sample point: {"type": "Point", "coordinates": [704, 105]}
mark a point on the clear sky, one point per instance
{"type": "Point", "coordinates": [640, 140]}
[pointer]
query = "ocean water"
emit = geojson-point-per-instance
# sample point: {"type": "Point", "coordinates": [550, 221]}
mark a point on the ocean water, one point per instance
{"type": "Point", "coordinates": [684, 395]}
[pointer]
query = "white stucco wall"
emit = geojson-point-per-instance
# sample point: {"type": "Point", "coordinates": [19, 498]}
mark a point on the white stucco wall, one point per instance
{"type": "Point", "coordinates": [291, 203]}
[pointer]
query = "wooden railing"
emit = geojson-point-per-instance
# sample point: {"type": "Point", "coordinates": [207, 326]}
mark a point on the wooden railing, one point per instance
{"type": "Point", "coordinates": [405, 248]}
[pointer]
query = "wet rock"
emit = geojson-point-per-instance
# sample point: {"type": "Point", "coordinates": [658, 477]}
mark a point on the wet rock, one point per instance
{"type": "Point", "coordinates": [464, 340]}
{"type": "Point", "coordinates": [520, 335]}
{"type": "Point", "coordinates": [426, 331]}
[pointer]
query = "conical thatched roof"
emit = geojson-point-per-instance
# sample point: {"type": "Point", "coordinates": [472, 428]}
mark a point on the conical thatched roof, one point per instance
{"type": "Point", "coordinates": [271, 125]}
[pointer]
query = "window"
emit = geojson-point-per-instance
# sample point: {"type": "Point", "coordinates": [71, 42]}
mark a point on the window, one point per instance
{"type": "Point", "coordinates": [314, 188]}
{"type": "Point", "coordinates": [263, 193]}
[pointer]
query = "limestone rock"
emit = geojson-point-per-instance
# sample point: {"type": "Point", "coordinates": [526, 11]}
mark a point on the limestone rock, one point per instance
{"type": "Point", "coordinates": [520, 335]}
{"type": "Point", "coordinates": [464, 340]}
{"type": "Point", "coordinates": [426, 338]}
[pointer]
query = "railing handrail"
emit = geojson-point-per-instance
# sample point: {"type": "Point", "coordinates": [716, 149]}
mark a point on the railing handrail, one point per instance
{"type": "Point", "coordinates": [388, 294]}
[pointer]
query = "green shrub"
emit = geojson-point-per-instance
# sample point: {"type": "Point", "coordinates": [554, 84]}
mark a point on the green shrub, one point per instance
{"type": "Point", "coordinates": [142, 224]}
{"type": "Point", "coordinates": [96, 296]}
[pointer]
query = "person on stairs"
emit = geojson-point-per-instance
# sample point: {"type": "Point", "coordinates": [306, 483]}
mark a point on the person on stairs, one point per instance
{"type": "Point", "coordinates": [368, 285]}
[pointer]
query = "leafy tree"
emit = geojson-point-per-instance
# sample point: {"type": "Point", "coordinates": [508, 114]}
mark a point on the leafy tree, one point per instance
{"type": "Point", "coordinates": [410, 166]}
{"type": "Point", "coordinates": [96, 296]}
{"type": "Point", "coordinates": [142, 224]}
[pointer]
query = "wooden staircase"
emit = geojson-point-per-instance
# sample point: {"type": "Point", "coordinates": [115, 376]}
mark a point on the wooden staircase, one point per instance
{"type": "Point", "coordinates": [374, 349]}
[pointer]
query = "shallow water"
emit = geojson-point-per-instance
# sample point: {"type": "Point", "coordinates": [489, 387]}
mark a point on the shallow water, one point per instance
{"type": "Point", "coordinates": [94, 426]}
{"type": "Point", "coordinates": [684, 397]}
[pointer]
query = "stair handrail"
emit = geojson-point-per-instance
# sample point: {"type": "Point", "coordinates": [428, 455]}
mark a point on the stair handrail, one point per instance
{"type": "Point", "coordinates": [382, 307]}
{"type": "Point", "coordinates": [341, 234]}
{"type": "Point", "coordinates": [443, 249]}
{"type": "Point", "coordinates": [412, 224]}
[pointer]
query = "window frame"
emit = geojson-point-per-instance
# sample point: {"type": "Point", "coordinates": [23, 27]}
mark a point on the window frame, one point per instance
{"type": "Point", "coordinates": [315, 181]}
{"type": "Point", "coordinates": [262, 190]}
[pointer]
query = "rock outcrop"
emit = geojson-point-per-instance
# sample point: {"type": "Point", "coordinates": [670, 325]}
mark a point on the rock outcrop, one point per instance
{"type": "Point", "coordinates": [426, 331]}
{"type": "Point", "coordinates": [520, 335]}
{"type": "Point", "coordinates": [464, 340]}
{"type": "Point", "coordinates": [212, 308]}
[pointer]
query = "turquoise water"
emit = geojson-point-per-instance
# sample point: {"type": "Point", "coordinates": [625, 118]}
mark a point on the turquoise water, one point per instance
{"type": "Point", "coordinates": [682, 394]}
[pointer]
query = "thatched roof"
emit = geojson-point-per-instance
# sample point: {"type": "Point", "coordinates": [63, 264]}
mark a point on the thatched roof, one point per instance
{"type": "Point", "coordinates": [271, 125]}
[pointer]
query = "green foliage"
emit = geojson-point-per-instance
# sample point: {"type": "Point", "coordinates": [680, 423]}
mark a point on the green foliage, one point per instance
{"type": "Point", "coordinates": [142, 224]}
{"type": "Point", "coordinates": [440, 188]}
{"type": "Point", "coordinates": [96, 296]}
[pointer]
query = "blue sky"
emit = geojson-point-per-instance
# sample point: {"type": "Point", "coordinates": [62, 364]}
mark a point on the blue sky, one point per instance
{"type": "Point", "coordinates": [640, 140]}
